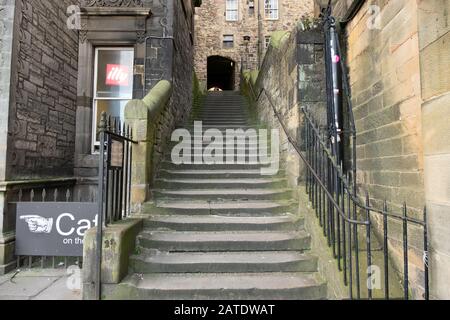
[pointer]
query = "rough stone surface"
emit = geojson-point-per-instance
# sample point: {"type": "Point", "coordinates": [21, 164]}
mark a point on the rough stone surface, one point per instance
{"type": "Point", "coordinates": [434, 37]}
{"type": "Point", "coordinates": [211, 26]}
{"type": "Point", "coordinates": [42, 116]}
{"type": "Point", "coordinates": [52, 284]}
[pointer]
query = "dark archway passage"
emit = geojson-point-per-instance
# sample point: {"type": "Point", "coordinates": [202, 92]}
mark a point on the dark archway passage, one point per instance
{"type": "Point", "coordinates": [221, 73]}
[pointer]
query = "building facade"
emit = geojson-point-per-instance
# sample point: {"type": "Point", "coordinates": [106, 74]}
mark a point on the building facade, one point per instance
{"type": "Point", "coordinates": [234, 34]}
{"type": "Point", "coordinates": [62, 63]}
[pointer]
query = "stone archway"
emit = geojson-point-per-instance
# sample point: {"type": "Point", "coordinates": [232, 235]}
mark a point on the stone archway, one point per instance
{"type": "Point", "coordinates": [221, 73]}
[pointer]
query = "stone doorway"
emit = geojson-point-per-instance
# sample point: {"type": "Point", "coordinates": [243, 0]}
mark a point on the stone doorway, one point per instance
{"type": "Point", "coordinates": [221, 73]}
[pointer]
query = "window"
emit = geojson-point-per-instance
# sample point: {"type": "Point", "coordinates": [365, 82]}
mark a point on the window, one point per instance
{"type": "Point", "coordinates": [266, 42]}
{"type": "Point", "coordinates": [251, 7]}
{"type": "Point", "coordinates": [113, 85]}
{"type": "Point", "coordinates": [228, 41]}
{"type": "Point", "coordinates": [271, 9]}
{"type": "Point", "coordinates": [232, 10]}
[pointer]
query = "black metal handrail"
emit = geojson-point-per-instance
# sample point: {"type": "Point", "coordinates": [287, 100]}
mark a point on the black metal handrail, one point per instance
{"type": "Point", "coordinates": [339, 209]}
{"type": "Point", "coordinates": [114, 182]}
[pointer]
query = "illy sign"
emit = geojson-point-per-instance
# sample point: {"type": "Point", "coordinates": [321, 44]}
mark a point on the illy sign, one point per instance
{"type": "Point", "coordinates": [53, 228]}
{"type": "Point", "coordinates": [117, 75]}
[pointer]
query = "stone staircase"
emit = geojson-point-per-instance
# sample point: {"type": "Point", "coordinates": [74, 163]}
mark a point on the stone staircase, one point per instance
{"type": "Point", "coordinates": [222, 231]}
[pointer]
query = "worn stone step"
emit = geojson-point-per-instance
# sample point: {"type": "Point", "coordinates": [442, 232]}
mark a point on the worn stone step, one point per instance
{"type": "Point", "coordinates": [233, 194]}
{"type": "Point", "coordinates": [221, 183]}
{"type": "Point", "coordinates": [260, 207]}
{"type": "Point", "coordinates": [218, 174]}
{"type": "Point", "coordinates": [190, 127]}
{"type": "Point", "coordinates": [287, 222]}
{"type": "Point", "coordinates": [210, 286]}
{"type": "Point", "coordinates": [222, 262]}
{"type": "Point", "coordinates": [224, 241]}
{"type": "Point", "coordinates": [241, 165]}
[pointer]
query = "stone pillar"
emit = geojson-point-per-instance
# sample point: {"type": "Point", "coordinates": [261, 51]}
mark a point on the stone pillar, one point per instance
{"type": "Point", "coordinates": [7, 17]}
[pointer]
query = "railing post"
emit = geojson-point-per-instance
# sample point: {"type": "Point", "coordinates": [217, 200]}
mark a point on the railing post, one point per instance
{"type": "Point", "coordinates": [101, 198]}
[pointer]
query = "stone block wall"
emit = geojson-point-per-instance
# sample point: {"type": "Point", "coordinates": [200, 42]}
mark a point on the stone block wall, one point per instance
{"type": "Point", "coordinates": [180, 104]}
{"type": "Point", "coordinates": [383, 60]}
{"type": "Point", "coordinates": [7, 12]}
{"type": "Point", "coordinates": [293, 75]}
{"type": "Point", "coordinates": [211, 26]}
{"type": "Point", "coordinates": [385, 80]}
{"type": "Point", "coordinates": [434, 39]}
{"type": "Point", "coordinates": [42, 114]}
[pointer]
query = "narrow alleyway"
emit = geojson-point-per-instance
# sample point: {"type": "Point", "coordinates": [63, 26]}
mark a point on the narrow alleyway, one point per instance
{"type": "Point", "coordinates": [221, 231]}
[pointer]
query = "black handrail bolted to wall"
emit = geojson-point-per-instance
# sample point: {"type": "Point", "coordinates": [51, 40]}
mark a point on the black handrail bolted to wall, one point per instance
{"type": "Point", "coordinates": [340, 210]}
{"type": "Point", "coordinates": [114, 184]}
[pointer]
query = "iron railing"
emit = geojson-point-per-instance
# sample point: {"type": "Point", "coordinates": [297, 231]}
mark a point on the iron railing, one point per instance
{"type": "Point", "coordinates": [353, 227]}
{"type": "Point", "coordinates": [43, 191]}
{"type": "Point", "coordinates": [114, 183]}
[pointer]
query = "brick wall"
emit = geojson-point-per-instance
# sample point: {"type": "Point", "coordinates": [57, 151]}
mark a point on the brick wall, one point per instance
{"type": "Point", "coordinates": [42, 118]}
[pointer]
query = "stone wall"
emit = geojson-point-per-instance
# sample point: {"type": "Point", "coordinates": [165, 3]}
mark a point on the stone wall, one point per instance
{"type": "Point", "coordinates": [211, 26]}
{"type": "Point", "coordinates": [7, 10]}
{"type": "Point", "coordinates": [434, 39]}
{"type": "Point", "coordinates": [293, 74]}
{"type": "Point", "coordinates": [181, 102]}
{"type": "Point", "coordinates": [42, 117]}
{"type": "Point", "coordinates": [385, 80]}
{"type": "Point", "coordinates": [383, 60]}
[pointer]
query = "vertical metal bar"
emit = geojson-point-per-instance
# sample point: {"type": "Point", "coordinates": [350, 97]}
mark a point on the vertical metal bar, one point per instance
{"type": "Point", "coordinates": [130, 174]}
{"type": "Point", "coordinates": [386, 251]}
{"type": "Point", "coordinates": [405, 253]}
{"type": "Point", "coordinates": [344, 238]}
{"type": "Point", "coordinates": [350, 262]}
{"type": "Point", "coordinates": [338, 219]}
{"type": "Point", "coordinates": [320, 167]}
{"type": "Point", "coordinates": [425, 257]}
{"type": "Point", "coordinates": [368, 244]}
{"type": "Point", "coordinates": [101, 198]}
{"type": "Point", "coordinates": [356, 245]}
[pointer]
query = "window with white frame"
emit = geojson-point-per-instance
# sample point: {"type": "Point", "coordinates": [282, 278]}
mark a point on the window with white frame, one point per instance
{"type": "Point", "coordinates": [113, 85]}
{"type": "Point", "coordinates": [228, 41]}
{"type": "Point", "coordinates": [271, 9]}
{"type": "Point", "coordinates": [232, 9]}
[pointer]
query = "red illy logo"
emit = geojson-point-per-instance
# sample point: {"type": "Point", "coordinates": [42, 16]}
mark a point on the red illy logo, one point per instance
{"type": "Point", "coordinates": [117, 75]}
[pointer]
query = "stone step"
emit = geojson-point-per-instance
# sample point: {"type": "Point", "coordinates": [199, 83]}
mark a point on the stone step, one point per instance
{"type": "Point", "coordinates": [210, 286]}
{"type": "Point", "coordinates": [245, 165]}
{"type": "Point", "coordinates": [246, 208]}
{"type": "Point", "coordinates": [222, 262]}
{"type": "Point", "coordinates": [224, 241]}
{"type": "Point", "coordinates": [286, 222]}
{"type": "Point", "coordinates": [218, 174]}
{"type": "Point", "coordinates": [218, 194]}
{"type": "Point", "coordinates": [220, 183]}
{"type": "Point", "coordinates": [222, 128]}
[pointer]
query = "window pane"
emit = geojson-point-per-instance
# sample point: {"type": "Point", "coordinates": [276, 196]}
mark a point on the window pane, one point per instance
{"type": "Point", "coordinates": [115, 73]}
{"type": "Point", "coordinates": [113, 108]}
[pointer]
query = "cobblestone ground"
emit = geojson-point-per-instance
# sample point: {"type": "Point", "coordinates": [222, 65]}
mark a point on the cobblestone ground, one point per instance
{"type": "Point", "coordinates": [53, 284]}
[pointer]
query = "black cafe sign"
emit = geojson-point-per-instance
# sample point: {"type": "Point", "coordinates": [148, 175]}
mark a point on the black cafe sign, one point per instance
{"type": "Point", "coordinates": [53, 228]}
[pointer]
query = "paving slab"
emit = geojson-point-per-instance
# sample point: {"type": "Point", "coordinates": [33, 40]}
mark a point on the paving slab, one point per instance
{"type": "Point", "coordinates": [40, 284]}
